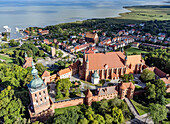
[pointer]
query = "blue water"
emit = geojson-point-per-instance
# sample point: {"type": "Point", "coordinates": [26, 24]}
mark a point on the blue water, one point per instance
{"type": "Point", "coordinates": [25, 13]}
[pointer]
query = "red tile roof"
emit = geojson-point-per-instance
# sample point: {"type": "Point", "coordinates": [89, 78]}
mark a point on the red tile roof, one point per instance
{"type": "Point", "coordinates": [46, 74]}
{"type": "Point", "coordinates": [112, 59]}
{"type": "Point", "coordinates": [134, 59]}
{"type": "Point", "coordinates": [127, 85]}
{"type": "Point", "coordinates": [157, 71]}
{"type": "Point", "coordinates": [28, 62]}
{"type": "Point", "coordinates": [166, 80]}
{"type": "Point", "coordinates": [91, 35]}
{"type": "Point", "coordinates": [64, 71]}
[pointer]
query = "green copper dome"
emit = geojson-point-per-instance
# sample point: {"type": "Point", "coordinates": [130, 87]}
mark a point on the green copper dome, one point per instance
{"type": "Point", "coordinates": [36, 82]}
{"type": "Point", "coordinates": [95, 75]}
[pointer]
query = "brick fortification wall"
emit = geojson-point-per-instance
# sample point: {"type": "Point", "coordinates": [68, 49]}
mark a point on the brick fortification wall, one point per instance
{"type": "Point", "coordinates": [68, 103]}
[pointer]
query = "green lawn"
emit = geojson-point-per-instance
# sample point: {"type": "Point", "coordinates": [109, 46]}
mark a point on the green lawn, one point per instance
{"type": "Point", "coordinates": [132, 50]}
{"type": "Point", "coordinates": [60, 99]}
{"type": "Point", "coordinates": [139, 107]}
{"type": "Point", "coordinates": [138, 88]}
{"type": "Point", "coordinates": [6, 58]}
{"type": "Point", "coordinates": [90, 83]}
{"type": "Point", "coordinates": [62, 110]}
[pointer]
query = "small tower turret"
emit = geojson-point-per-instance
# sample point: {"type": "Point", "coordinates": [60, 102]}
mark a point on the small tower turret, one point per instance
{"type": "Point", "coordinates": [26, 54]}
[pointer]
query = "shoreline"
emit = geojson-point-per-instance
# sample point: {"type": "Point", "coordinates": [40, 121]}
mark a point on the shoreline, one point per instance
{"type": "Point", "coordinates": [119, 16]}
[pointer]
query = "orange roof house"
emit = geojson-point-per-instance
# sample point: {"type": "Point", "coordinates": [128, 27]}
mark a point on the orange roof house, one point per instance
{"type": "Point", "coordinates": [28, 62]}
{"type": "Point", "coordinates": [46, 41]}
{"type": "Point", "coordinates": [127, 85]}
{"type": "Point", "coordinates": [64, 73]}
{"type": "Point", "coordinates": [46, 77]}
{"type": "Point", "coordinates": [126, 89]}
{"type": "Point", "coordinates": [162, 75]}
{"type": "Point", "coordinates": [157, 71]}
{"type": "Point", "coordinates": [91, 37]}
{"type": "Point", "coordinates": [46, 74]}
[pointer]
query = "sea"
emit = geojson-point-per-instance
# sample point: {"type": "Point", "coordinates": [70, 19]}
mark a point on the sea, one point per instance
{"type": "Point", "coordinates": [40, 13]}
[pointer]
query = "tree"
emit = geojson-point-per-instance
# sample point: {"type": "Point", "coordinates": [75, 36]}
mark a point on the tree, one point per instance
{"type": "Point", "coordinates": [83, 121]}
{"type": "Point", "coordinates": [160, 88]}
{"type": "Point", "coordinates": [104, 107]}
{"type": "Point", "coordinates": [14, 43]}
{"type": "Point", "coordinates": [150, 92]}
{"type": "Point", "coordinates": [100, 119]}
{"type": "Point", "coordinates": [41, 53]}
{"type": "Point", "coordinates": [147, 75]}
{"type": "Point", "coordinates": [117, 115]}
{"type": "Point", "coordinates": [11, 108]}
{"type": "Point", "coordinates": [63, 85]}
{"type": "Point", "coordinates": [60, 54]}
{"type": "Point", "coordinates": [157, 112]}
{"type": "Point", "coordinates": [41, 68]}
{"type": "Point", "coordinates": [131, 77]}
{"type": "Point", "coordinates": [109, 119]}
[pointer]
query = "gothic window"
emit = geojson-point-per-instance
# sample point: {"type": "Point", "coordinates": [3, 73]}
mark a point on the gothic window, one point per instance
{"type": "Point", "coordinates": [44, 92]}
{"type": "Point", "coordinates": [45, 99]}
{"type": "Point", "coordinates": [37, 102]}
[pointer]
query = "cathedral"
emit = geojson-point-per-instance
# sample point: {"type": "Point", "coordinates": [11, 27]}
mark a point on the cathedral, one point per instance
{"type": "Point", "coordinates": [109, 65]}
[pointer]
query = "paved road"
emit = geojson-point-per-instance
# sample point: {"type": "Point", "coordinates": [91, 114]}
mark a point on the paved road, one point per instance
{"type": "Point", "coordinates": [139, 119]}
{"type": "Point", "coordinates": [83, 86]}
{"type": "Point", "coordinates": [48, 62]}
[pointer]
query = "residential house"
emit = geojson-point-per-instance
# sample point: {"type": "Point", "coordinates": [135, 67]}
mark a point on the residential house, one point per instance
{"type": "Point", "coordinates": [92, 37]}
{"type": "Point", "coordinates": [64, 73]}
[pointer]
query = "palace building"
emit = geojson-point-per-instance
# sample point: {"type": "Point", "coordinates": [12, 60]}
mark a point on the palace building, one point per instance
{"type": "Point", "coordinates": [110, 65]}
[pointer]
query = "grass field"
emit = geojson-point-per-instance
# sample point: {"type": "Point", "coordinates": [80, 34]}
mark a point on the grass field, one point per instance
{"type": "Point", "coordinates": [132, 50]}
{"type": "Point", "coordinates": [146, 13]}
{"type": "Point", "coordinates": [6, 58]}
{"type": "Point", "coordinates": [12, 49]}
{"type": "Point", "coordinates": [140, 108]}
{"type": "Point", "coordinates": [62, 110]}
{"type": "Point", "coordinates": [90, 83]}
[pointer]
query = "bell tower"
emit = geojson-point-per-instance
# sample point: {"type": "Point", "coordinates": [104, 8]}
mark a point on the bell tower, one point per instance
{"type": "Point", "coordinates": [38, 93]}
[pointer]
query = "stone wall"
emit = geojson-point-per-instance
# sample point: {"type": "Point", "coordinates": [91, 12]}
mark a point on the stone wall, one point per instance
{"type": "Point", "coordinates": [139, 92]}
{"type": "Point", "coordinates": [68, 103]}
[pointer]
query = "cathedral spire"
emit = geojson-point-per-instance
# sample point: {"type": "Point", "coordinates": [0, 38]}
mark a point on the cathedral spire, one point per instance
{"type": "Point", "coordinates": [26, 54]}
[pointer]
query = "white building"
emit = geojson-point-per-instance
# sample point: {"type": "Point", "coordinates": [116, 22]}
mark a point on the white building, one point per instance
{"type": "Point", "coordinates": [64, 73]}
